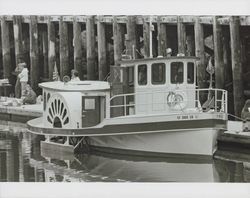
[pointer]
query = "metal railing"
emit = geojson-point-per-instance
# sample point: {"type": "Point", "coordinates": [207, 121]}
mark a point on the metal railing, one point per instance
{"type": "Point", "coordinates": [200, 99]}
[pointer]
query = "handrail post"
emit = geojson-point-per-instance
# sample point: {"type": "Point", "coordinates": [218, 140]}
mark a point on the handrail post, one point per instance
{"type": "Point", "coordinates": [198, 97]}
{"type": "Point", "coordinates": [225, 101]}
{"type": "Point", "coordinates": [216, 100]}
{"type": "Point", "coordinates": [125, 105]}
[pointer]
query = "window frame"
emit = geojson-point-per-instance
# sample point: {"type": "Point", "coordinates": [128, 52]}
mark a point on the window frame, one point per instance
{"type": "Point", "coordinates": [171, 75]}
{"type": "Point", "coordinates": [153, 82]}
{"type": "Point", "coordinates": [146, 76]}
{"type": "Point", "coordinates": [188, 64]}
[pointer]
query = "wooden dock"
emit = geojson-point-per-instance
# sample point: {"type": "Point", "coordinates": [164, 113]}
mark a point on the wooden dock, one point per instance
{"type": "Point", "coordinates": [235, 141]}
{"type": "Point", "coordinates": [20, 114]}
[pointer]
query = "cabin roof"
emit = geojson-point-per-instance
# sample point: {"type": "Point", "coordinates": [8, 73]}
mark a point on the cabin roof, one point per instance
{"type": "Point", "coordinates": [130, 62]}
{"type": "Point", "coordinates": [72, 86]}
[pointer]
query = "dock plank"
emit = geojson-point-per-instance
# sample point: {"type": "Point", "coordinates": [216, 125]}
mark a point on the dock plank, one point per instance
{"type": "Point", "coordinates": [20, 114]}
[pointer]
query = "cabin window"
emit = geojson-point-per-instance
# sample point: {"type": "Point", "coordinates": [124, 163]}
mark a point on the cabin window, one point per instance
{"type": "Point", "coordinates": [177, 72]}
{"type": "Point", "coordinates": [142, 74]}
{"type": "Point", "coordinates": [158, 73]}
{"type": "Point", "coordinates": [89, 104]}
{"type": "Point", "coordinates": [190, 73]}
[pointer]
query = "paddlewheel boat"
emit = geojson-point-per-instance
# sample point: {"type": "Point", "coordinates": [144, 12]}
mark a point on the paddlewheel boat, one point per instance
{"type": "Point", "coordinates": [159, 112]}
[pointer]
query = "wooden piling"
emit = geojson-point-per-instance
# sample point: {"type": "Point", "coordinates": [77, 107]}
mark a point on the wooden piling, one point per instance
{"type": "Point", "coordinates": [51, 48]}
{"type": "Point", "coordinates": [45, 55]}
{"type": "Point", "coordinates": [181, 35]}
{"type": "Point", "coordinates": [34, 66]}
{"type": "Point", "coordinates": [190, 51]}
{"type": "Point", "coordinates": [131, 42]}
{"type": "Point", "coordinates": [7, 67]}
{"type": "Point", "coordinates": [91, 43]}
{"type": "Point", "coordinates": [78, 63]}
{"type": "Point", "coordinates": [162, 38]}
{"type": "Point", "coordinates": [226, 57]}
{"type": "Point", "coordinates": [64, 49]}
{"type": "Point", "coordinates": [218, 55]}
{"type": "Point", "coordinates": [17, 26]}
{"type": "Point", "coordinates": [199, 52]}
{"type": "Point", "coordinates": [236, 65]}
{"type": "Point", "coordinates": [117, 85]}
{"type": "Point", "coordinates": [102, 53]}
{"type": "Point", "coordinates": [146, 39]}
{"type": "Point", "coordinates": [118, 34]}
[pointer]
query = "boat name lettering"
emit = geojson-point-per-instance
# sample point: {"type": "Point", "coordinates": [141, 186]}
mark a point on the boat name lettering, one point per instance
{"type": "Point", "coordinates": [219, 116]}
{"type": "Point", "coordinates": [186, 117]}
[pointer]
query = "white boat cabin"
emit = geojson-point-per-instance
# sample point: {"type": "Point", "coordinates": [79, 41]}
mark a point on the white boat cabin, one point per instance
{"type": "Point", "coordinates": [75, 104]}
{"type": "Point", "coordinates": [160, 85]}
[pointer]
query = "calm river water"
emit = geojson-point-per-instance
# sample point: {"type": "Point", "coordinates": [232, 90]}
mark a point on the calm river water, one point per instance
{"type": "Point", "coordinates": [21, 161]}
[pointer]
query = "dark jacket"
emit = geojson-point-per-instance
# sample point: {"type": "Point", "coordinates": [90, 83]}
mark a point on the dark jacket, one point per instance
{"type": "Point", "coordinates": [30, 98]}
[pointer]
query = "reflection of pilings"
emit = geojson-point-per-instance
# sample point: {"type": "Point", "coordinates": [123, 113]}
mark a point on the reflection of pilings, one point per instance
{"type": "Point", "coordinates": [2, 171]}
{"type": "Point", "coordinates": [10, 165]}
{"type": "Point", "coordinates": [21, 165]}
{"type": "Point", "coordinates": [4, 146]}
{"type": "Point", "coordinates": [39, 174]}
{"type": "Point", "coordinates": [7, 169]}
{"type": "Point", "coordinates": [238, 173]}
{"type": "Point", "coordinates": [24, 155]}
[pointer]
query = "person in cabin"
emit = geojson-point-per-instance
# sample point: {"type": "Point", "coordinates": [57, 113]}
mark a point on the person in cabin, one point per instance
{"type": "Point", "coordinates": [29, 95]}
{"type": "Point", "coordinates": [74, 75]}
{"type": "Point", "coordinates": [23, 77]}
{"type": "Point", "coordinates": [142, 75]}
{"type": "Point", "coordinates": [169, 52]}
{"type": "Point", "coordinates": [179, 75]}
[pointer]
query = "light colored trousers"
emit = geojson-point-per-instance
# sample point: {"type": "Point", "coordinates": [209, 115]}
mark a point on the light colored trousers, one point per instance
{"type": "Point", "coordinates": [23, 87]}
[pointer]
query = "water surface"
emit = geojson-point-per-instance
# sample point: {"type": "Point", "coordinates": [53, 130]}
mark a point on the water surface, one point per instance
{"type": "Point", "coordinates": [21, 161]}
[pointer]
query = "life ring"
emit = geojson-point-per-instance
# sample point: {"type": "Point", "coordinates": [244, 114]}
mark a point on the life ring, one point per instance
{"type": "Point", "coordinates": [177, 101]}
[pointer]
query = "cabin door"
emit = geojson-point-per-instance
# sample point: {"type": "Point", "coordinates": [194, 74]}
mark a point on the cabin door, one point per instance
{"type": "Point", "coordinates": [90, 111]}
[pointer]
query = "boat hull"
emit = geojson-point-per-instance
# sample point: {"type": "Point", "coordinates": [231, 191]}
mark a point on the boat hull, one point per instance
{"type": "Point", "coordinates": [158, 135]}
{"type": "Point", "coordinates": [201, 143]}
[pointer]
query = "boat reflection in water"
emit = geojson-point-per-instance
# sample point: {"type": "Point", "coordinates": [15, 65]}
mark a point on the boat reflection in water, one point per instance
{"type": "Point", "coordinates": [94, 167]}
{"type": "Point", "coordinates": [21, 160]}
